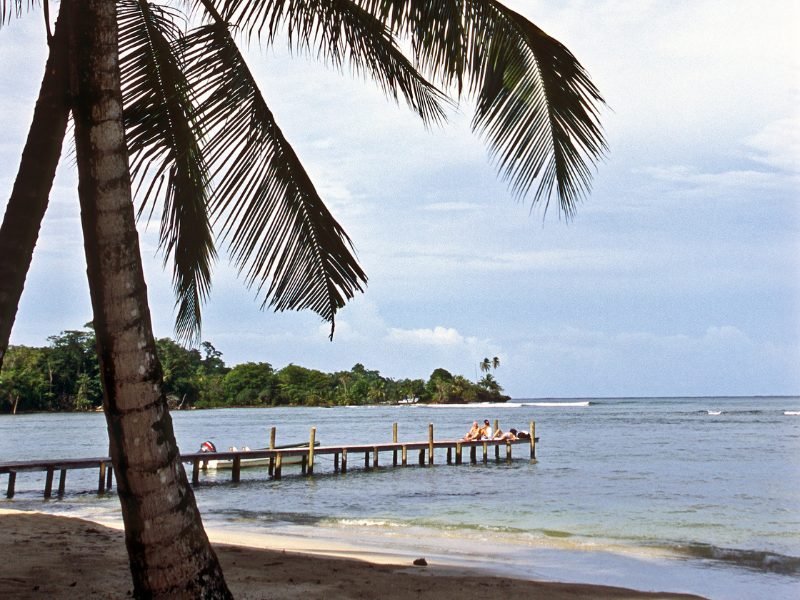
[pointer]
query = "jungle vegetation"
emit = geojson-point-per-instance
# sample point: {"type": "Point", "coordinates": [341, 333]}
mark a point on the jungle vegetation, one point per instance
{"type": "Point", "coordinates": [64, 376]}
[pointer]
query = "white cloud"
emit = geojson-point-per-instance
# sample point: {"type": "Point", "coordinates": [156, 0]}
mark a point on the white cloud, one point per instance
{"type": "Point", "coordinates": [778, 144]}
{"type": "Point", "coordinates": [438, 336]}
{"type": "Point", "coordinates": [718, 182]}
{"type": "Point", "coordinates": [453, 207]}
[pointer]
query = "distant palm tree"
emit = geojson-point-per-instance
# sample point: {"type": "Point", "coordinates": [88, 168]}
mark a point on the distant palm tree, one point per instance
{"type": "Point", "coordinates": [205, 148]}
{"type": "Point", "coordinates": [485, 365]}
{"type": "Point", "coordinates": [495, 362]}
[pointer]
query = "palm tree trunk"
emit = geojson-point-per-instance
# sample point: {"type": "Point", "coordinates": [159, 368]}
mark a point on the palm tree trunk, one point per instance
{"type": "Point", "coordinates": [37, 169]}
{"type": "Point", "coordinates": [169, 552]}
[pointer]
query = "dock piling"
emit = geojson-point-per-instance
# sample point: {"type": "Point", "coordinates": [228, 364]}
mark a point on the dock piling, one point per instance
{"type": "Point", "coordinates": [101, 478]}
{"type": "Point", "coordinates": [533, 439]}
{"type": "Point", "coordinates": [62, 482]}
{"type": "Point", "coordinates": [344, 460]}
{"type": "Point", "coordinates": [12, 479]}
{"type": "Point", "coordinates": [430, 443]}
{"type": "Point", "coordinates": [278, 464]}
{"type": "Point", "coordinates": [394, 441]}
{"type": "Point", "coordinates": [496, 448]}
{"type": "Point", "coordinates": [311, 442]}
{"type": "Point", "coordinates": [48, 483]}
{"type": "Point", "coordinates": [271, 447]}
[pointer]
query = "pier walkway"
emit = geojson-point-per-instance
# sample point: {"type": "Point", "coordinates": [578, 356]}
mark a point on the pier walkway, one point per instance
{"type": "Point", "coordinates": [275, 458]}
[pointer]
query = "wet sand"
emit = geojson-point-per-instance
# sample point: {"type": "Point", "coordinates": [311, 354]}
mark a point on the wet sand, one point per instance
{"type": "Point", "coordinates": [54, 557]}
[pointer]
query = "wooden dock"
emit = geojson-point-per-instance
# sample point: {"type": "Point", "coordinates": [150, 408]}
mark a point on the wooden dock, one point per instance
{"type": "Point", "coordinates": [278, 456]}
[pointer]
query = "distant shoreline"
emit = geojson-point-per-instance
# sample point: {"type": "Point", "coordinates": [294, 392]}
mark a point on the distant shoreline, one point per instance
{"type": "Point", "coordinates": [509, 401]}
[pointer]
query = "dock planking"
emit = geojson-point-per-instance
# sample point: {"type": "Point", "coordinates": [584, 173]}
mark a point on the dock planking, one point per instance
{"type": "Point", "coordinates": [278, 455]}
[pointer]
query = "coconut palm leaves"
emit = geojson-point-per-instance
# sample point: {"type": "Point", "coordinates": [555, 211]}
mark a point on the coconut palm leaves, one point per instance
{"type": "Point", "coordinates": [163, 139]}
{"type": "Point", "coordinates": [278, 227]}
{"type": "Point", "coordinates": [339, 32]}
{"type": "Point", "coordinates": [536, 107]}
{"type": "Point", "coordinates": [207, 150]}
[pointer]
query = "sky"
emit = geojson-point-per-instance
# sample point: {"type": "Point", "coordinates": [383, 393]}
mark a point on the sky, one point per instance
{"type": "Point", "coordinates": [679, 275]}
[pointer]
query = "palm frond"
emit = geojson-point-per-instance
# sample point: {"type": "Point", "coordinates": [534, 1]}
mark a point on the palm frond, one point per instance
{"type": "Point", "coordinates": [281, 235]}
{"type": "Point", "coordinates": [537, 109]}
{"type": "Point", "coordinates": [341, 32]}
{"type": "Point", "coordinates": [166, 158]}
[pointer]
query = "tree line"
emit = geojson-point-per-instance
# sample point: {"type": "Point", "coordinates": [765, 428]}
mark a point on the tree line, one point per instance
{"type": "Point", "coordinates": [64, 376]}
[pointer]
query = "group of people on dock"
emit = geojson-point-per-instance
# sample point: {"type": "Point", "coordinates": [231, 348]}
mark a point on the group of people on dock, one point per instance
{"type": "Point", "coordinates": [485, 432]}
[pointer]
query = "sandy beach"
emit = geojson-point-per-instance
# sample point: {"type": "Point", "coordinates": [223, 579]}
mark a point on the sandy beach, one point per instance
{"type": "Point", "coordinates": [54, 557]}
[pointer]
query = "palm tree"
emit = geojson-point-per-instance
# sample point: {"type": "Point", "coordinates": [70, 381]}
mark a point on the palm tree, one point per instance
{"type": "Point", "coordinates": [495, 362]}
{"type": "Point", "coordinates": [485, 365]}
{"type": "Point", "coordinates": [205, 147]}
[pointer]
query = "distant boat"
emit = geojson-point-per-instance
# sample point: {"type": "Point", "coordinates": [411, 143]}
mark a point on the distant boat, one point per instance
{"type": "Point", "coordinates": [714, 413]}
{"type": "Point", "coordinates": [408, 400]}
{"type": "Point", "coordinates": [792, 413]}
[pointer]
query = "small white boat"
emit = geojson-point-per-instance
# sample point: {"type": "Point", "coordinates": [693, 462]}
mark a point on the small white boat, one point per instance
{"type": "Point", "coordinates": [227, 463]}
{"type": "Point", "coordinates": [408, 400]}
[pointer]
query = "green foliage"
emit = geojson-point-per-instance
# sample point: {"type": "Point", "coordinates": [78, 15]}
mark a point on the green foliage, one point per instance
{"type": "Point", "coordinates": [65, 376]}
{"type": "Point", "coordinates": [250, 384]}
{"type": "Point", "coordinates": [23, 380]}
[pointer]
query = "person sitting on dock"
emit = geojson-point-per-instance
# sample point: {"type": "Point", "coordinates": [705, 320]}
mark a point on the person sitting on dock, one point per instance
{"type": "Point", "coordinates": [485, 431]}
{"type": "Point", "coordinates": [473, 433]}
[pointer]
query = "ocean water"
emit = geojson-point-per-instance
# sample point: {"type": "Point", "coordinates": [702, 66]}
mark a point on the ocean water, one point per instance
{"type": "Point", "coordinates": [696, 495]}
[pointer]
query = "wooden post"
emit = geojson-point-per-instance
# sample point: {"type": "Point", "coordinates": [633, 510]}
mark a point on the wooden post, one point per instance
{"type": "Point", "coordinates": [335, 462]}
{"type": "Point", "coordinates": [458, 453]}
{"type": "Point", "coordinates": [449, 455]}
{"type": "Point", "coordinates": [394, 441]}
{"type": "Point", "coordinates": [272, 447]}
{"type": "Point", "coordinates": [366, 459]}
{"type": "Point", "coordinates": [304, 464]}
{"type": "Point", "coordinates": [48, 483]}
{"type": "Point", "coordinates": [533, 439]}
{"type": "Point", "coordinates": [485, 452]}
{"type": "Point", "coordinates": [344, 460]}
{"type": "Point", "coordinates": [404, 455]}
{"type": "Point", "coordinates": [422, 457]}
{"type": "Point", "coordinates": [101, 479]}
{"type": "Point", "coordinates": [497, 447]}
{"type": "Point", "coordinates": [311, 442]}
{"type": "Point", "coordinates": [278, 465]}
{"type": "Point", "coordinates": [62, 481]}
{"type": "Point", "coordinates": [237, 465]}
{"type": "Point", "coordinates": [473, 455]}
{"type": "Point", "coordinates": [195, 471]}
{"type": "Point", "coordinates": [375, 456]}
{"type": "Point", "coordinates": [508, 451]}
{"type": "Point", "coordinates": [12, 479]}
{"type": "Point", "coordinates": [430, 443]}
{"type": "Point", "coordinates": [109, 477]}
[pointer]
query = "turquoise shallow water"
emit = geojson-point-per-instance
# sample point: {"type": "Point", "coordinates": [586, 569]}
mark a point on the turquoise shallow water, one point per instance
{"type": "Point", "coordinates": [699, 495]}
